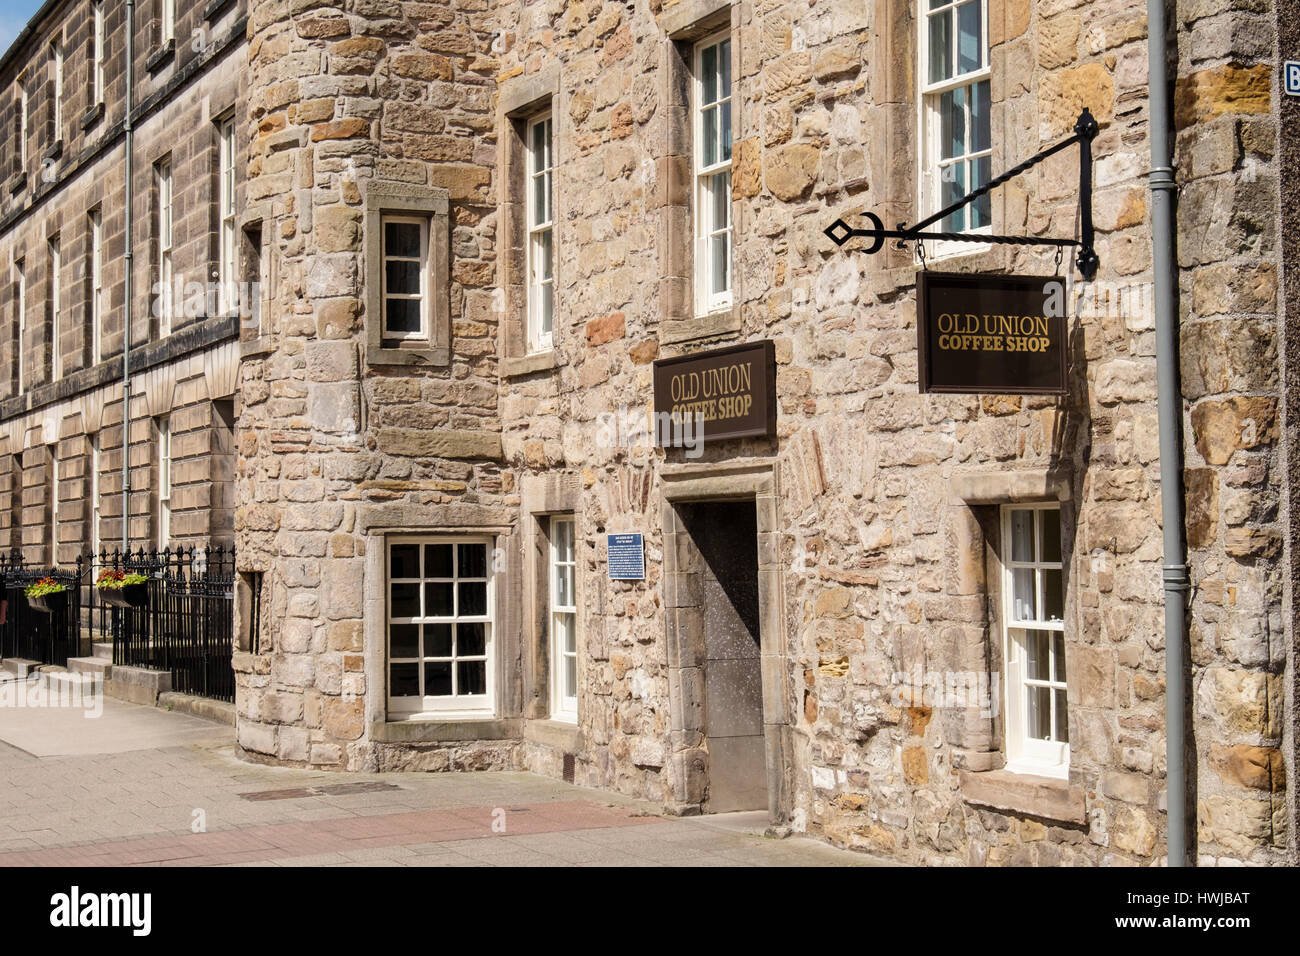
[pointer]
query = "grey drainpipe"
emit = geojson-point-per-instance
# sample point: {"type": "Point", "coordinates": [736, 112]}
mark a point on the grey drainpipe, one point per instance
{"type": "Point", "coordinates": [1170, 404]}
{"type": "Point", "coordinates": [128, 130]}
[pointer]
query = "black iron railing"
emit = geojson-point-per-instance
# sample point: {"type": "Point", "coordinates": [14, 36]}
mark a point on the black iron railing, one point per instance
{"type": "Point", "coordinates": [184, 622]}
{"type": "Point", "coordinates": [45, 636]}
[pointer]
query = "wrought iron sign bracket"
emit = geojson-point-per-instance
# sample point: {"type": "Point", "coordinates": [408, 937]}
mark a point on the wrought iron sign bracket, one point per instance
{"type": "Point", "coordinates": [1085, 130]}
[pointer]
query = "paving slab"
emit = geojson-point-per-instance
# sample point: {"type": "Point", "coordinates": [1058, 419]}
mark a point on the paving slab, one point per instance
{"type": "Point", "coordinates": [102, 726]}
{"type": "Point", "coordinates": [139, 786]}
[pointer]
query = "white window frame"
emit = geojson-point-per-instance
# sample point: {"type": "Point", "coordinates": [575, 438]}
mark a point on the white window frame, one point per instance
{"type": "Point", "coordinates": [167, 26]}
{"type": "Point", "coordinates": [166, 305]}
{"type": "Point", "coordinates": [450, 706]}
{"type": "Point", "coordinates": [422, 335]}
{"type": "Point", "coordinates": [227, 291]}
{"type": "Point", "coordinates": [56, 56]}
{"type": "Point", "coordinates": [164, 426]}
{"type": "Point", "coordinates": [97, 55]}
{"type": "Point", "coordinates": [96, 542]}
{"type": "Point", "coordinates": [541, 229]}
{"type": "Point", "coordinates": [54, 503]}
{"type": "Point", "coordinates": [709, 178]}
{"type": "Point", "coordinates": [20, 274]}
{"type": "Point", "coordinates": [56, 309]}
{"type": "Point", "coordinates": [96, 230]}
{"type": "Point", "coordinates": [22, 125]}
{"type": "Point", "coordinates": [929, 177]}
{"type": "Point", "coordinates": [562, 616]}
{"type": "Point", "coordinates": [1047, 758]}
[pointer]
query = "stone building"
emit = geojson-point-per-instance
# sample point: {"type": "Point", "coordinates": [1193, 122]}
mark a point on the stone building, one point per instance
{"type": "Point", "coordinates": [63, 260]}
{"type": "Point", "coordinates": [924, 625]}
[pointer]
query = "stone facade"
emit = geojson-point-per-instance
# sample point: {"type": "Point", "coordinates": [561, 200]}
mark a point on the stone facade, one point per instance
{"type": "Point", "coordinates": [877, 508]}
{"type": "Point", "coordinates": [74, 171]}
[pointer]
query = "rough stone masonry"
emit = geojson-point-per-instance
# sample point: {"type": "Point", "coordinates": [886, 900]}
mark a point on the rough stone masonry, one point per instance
{"type": "Point", "coordinates": [877, 506]}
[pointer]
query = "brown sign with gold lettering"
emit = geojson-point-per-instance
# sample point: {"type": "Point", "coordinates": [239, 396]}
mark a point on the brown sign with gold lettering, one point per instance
{"type": "Point", "coordinates": [1003, 334]}
{"type": "Point", "coordinates": [732, 391]}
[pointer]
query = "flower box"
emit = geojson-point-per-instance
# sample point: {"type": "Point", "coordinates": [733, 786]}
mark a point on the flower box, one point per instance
{"type": "Point", "coordinates": [50, 603]}
{"type": "Point", "coordinates": [132, 595]}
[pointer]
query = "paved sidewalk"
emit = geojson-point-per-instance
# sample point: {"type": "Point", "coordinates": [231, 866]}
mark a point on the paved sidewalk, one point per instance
{"type": "Point", "coordinates": [140, 786]}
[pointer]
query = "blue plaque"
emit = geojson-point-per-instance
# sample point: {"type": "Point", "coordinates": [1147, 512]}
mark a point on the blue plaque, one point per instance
{"type": "Point", "coordinates": [626, 556]}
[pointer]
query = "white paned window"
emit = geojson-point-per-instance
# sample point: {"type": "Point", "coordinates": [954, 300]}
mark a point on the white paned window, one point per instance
{"type": "Point", "coordinates": [541, 239]}
{"type": "Point", "coordinates": [56, 311]}
{"type": "Point", "coordinates": [564, 620]}
{"type": "Point", "coordinates": [228, 292]}
{"type": "Point", "coordinates": [166, 306]}
{"type": "Point", "coordinates": [712, 160]}
{"type": "Point", "coordinates": [54, 504]}
{"type": "Point", "coordinates": [955, 122]}
{"type": "Point", "coordinates": [97, 54]}
{"type": "Point", "coordinates": [164, 481]}
{"type": "Point", "coordinates": [440, 600]}
{"type": "Point", "coordinates": [20, 296]}
{"type": "Point", "coordinates": [1038, 728]}
{"type": "Point", "coordinates": [56, 61]}
{"type": "Point", "coordinates": [95, 543]}
{"type": "Point", "coordinates": [96, 230]}
{"type": "Point", "coordinates": [406, 277]}
{"type": "Point", "coordinates": [167, 28]}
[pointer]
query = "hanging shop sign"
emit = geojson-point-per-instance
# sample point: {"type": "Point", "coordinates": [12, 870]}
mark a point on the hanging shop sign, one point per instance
{"type": "Point", "coordinates": [728, 393]}
{"type": "Point", "coordinates": [626, 556]}
{"type": "Point", "coordinates": [992, 333]}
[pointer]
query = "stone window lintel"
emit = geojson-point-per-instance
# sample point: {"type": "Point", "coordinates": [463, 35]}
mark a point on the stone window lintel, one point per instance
{"type": "Point", "coordinates": [1010, 487]}
{"type": "Point", "coordinates": [522, 95]}
{"type": "Point", "coordinates": [692, 20]}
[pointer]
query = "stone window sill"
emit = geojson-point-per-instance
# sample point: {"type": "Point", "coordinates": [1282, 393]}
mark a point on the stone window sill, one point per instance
{"type": "Point", "coordinates": [250, 348]}
{"type": "Point", "coordinates": [215, 7]}
{"type": "Point", "coordinates": [160, 57]}
{"type": "Point", "coordinates": [92, 115]}
{"type": "Point", "coordinates": [53, 153]}
{"type": "Point", "coordinates": [426, 356]}
{"type": "Point", "coordinates": [427, 729]}
{"type": "Point", "coordinates": [557, 734]}
{"type": "Point", "coordinates": [17, 182]}
{"type": "Point", "coordinates": [1044, 797]}
{"type": "Point", "coordinates": [711, 326]}
{"type": "Point", "coordinates": [529, 364]}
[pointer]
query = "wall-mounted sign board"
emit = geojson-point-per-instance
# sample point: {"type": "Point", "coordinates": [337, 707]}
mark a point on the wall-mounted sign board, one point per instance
{"type": "Point", "coordinates": [998, 334]}
{"type": "Point", "coordinates": [1291, 77]}
{"type": "Point", "coordinates": [626, 556]}
{"type": "Point", "coordinates": [731, 390]}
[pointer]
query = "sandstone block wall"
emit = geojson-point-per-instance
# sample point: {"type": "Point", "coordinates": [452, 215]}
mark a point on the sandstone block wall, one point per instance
{"type": "Point", "coordinates": [882, 503]}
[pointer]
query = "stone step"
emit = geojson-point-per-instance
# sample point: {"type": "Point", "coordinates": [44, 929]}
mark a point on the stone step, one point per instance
{"type": "Point", "coordinates": [103, 650]}
{"type": "Point", "coordinates": [17, 666]}
{"type": "Point", "coordinates": [217, 710]}
{"type": "Point", "coordinates": [138, 685]}
{"type": "Point", "coordinates": [90, 665]}
{"type": "Point", "coordinates": [54, 676]}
